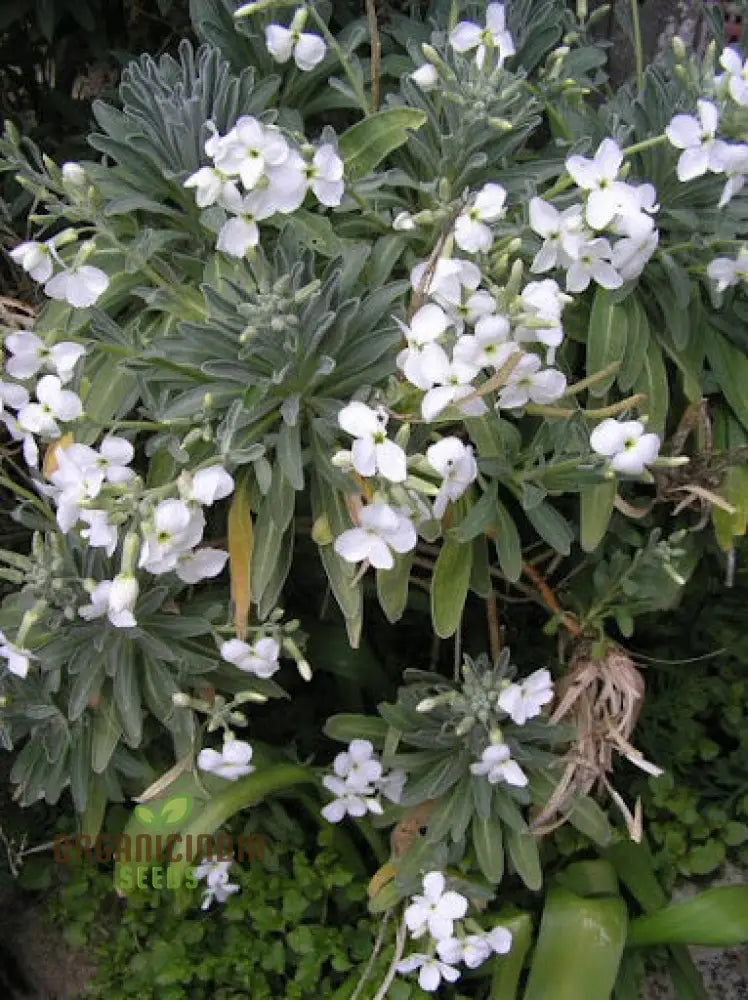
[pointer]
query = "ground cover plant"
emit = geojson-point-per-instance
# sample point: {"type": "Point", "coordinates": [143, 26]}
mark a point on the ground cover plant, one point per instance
{"type": "Point", "coordinates": [394, 319]}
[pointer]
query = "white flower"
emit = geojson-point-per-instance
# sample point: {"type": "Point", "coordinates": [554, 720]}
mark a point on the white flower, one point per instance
{"type": "Point", "coordinates": [174, 529]}
{"type": "Point", "coordinates": [455, 463]}
{"type": "Point", "coordinates": [372, 452]}
{"type": "Point", "coordinates": [476, 306]}
{"type": "Point", "coordinates": [73, 173]}
{"type": "Point", "coordinates": [454, 383]}
{"type": "Point", "coordinates": [382, 530]}
{"type": "Point", "coordinates": [231, 763]}
{"type": "Point", "coordinates": [631, 253]}
{"type": "Point", "coordinates": [475, 949]}
{"type": "Point", "coordinates": [392, 784]}
{"type": "Point", "coordinates": [308, 50]}
{"type": "Point", "coordinates": [733, 159]}
{"type": "Point", "coordinates": [606, 195]}
{"type": "Point", "coordinates": [403, 222]}
{"type": "Point", "coordinates": [256, 149]}
{"type": "Point", "coordinates": [593, 262]}
{"type": "Point", "coordinates": [35, 259]}
{"type": "Point", "coordinates": [260, 658]}
{"type": "Point", "coordinates": [426, 77]}
{"type": "Point", "coordinates": [18, 660]}
{"type": "Point", "coordinates": [497, 765]}
{"type": "Point", "coordinates": [436, 910]}
{"type": "Point", "coordinates": [212, 186]}
{"type": "Point", "coordinates": [216, 874]}
{"type": "Point", "coordinates": [562, 232]}
{"type": "Point", "coordinates": [467, 35]}
{"type": "Point", "coordinates": [489, 346]}
{"type": "Point", "coordinates": [115, 599]}
{"type": "Point", "coordinates": [424, 358]}
{"type": "Point", "coordinates": [447, 280]}
{"type": "Point", "coordinates": [726, 271]}
{"type": "Point", "coordinates": [79, 286]}
{"type": "Point", "coordinates": [78, 480]}
{"type": "Point", "coordinates": [14, 396]}
{"type": "Point", "coordinates": [737, 75]}
{"type": "Point", "coordinates": [471, 230]}
{"type": "Point", "coordinates": [325, 174]}
{"type": "Point", "coordinates": [238, 235]}
{"type": "Point", "coordinates": [524, 700]}
{"type": "Point", "coordinates": [287, 183]}
{"type": "Point", "coordinates": [99, 534]}
{"type": "Point", "coordinates": [347, 801]}
{"type": "Point", "coordinates": [30, 354]}
{"type": "Point", "coordinates": [697, 138]}
{"type": "Point", "coordinates": [625, 444]}
{"type": "Point", "coordinates": [358, 766]}
{"type": "Point", "coordinates": [115, 455]}
{"type": "Point", "coordinates": [528, 383]}
{"type": "Point", "coordinates": [540, 320]}
{"type": "Point", "coordinates": [202, 564]}
{"type": "Point", "coordinates": [53, 403]}
{"type": "Point", "coordinates": [206, 486]}
{"type": "Point", "coordinates": [432, 971]}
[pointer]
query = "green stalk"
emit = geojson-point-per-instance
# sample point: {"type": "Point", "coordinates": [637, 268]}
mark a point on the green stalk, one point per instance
{"type": "Point", "coordinates": [343, 59]}
{"type": "Point", "coordinates": [638, 47]}
{"type": "Point", "coordinates": [239, 795]}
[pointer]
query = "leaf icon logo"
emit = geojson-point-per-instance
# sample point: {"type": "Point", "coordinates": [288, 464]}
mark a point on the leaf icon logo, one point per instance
{"type": "Point", "coordinates": [145, 815]}
{"type": "Point", "coordinates": [175, 810]}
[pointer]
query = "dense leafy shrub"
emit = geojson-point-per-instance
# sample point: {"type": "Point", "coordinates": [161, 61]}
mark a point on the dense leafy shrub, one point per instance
{"type": "Point", "coordinates": [418, 297]}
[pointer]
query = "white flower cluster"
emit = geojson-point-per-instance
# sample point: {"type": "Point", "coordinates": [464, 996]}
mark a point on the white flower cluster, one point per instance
{"type": "Point", "coordinates": [80, 285]}
{"type": "Point", "coordinates": [436, 913]}
{"type": "Point", "coordinates": [443, 361]}
{"type": "Point", "coordinates": [703, 150]}
{"type": "Point", "coordinates": [42, 407]}
{"type": "Point", "coordinates": [609, 237]}
{"type": "Point", "coordinates": [358, 781]}
{"type": "Point", "coordinates": [521, 700]}
{"type": "Point", "coordinates": [258, 173]}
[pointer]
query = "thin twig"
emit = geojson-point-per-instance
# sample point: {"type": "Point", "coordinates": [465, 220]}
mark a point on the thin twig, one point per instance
{"type": "Point", "coordinates": [373, 957]}
{"type": "Point", "coordinates": [402, 933]}
{"type": "Point", "coordinates": [376, 53]}
{"type": "Point", "coordinates": [494, 627]}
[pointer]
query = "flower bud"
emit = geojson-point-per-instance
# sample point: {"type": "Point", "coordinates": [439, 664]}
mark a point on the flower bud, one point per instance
{"type": "Point", "coordinates": [403, 222]}
{"type": "Point", "coordinates": [181, 700]}
{"type": "Point", "coordinates": [426, 77]}
{"type": "Point", "coordinates": [679, 49]}
{"type": "Point", "coordinates": [73, 174]}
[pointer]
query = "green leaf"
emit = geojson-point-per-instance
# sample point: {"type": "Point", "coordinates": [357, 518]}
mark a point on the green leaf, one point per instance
{"type": "Point", "coordinates": [145, 815]}
{"type": "Point", "coordinates": [523, 852]}
{"type": "Point", "coordinates": [508, 968]}
{"type": "Point", "coordinates": [579, 949]}
{"type": "Point", "coordinates": [595, 510]}
{"type": "Point", "coordinates": [289, 454]}
{"type": "Point", "coordinates": [346, 727]}
{"type": "Point", "coordinates": [730, 367]}
{"type": "Point", "coordinates": [508, 544]}
{"type": "Point", "coordinates": [652, 380]}
{"type": "Point", "coordinates": [606, 338]}
{"type": "Point", "coordinates": [392, 587]}
{"type": "Point", "coordinates": [551, 526]}
{"type": "Point", "coordinates": [449, 586]}
{"type": "Point", "coordinates": [716, 918]}
{"type": "Point", "coordinates": [107, 730]}
{"type": "Point", "coordinates": [176, 809]}
{"type": "Point", "coordinates": [489, 847]}
{"type": "Point", "coordinates": [637, 340]}
{"type": "Point", "coordinates": [364, 145]}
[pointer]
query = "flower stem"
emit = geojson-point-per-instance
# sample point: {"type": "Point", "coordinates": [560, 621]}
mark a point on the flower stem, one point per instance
{"type": "Point", "coordinates": [640, 147]}
{"type": "Point", "coordinates": [343, 60]}
{"type": "Point", "coordinates": [376, 53]}
{"type": "Point", "coordinates": [638, 46]}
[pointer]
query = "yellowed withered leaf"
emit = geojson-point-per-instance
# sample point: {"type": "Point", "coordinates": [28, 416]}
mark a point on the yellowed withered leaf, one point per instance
{"type": "Point", "coordinates": [241, 540]}
{"type": "Point", "coordinates": [50, 464]}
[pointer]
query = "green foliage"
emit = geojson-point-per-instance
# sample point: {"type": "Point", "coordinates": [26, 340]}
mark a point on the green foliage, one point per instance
{"type": "Point", "coordinates": [298, 929]}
